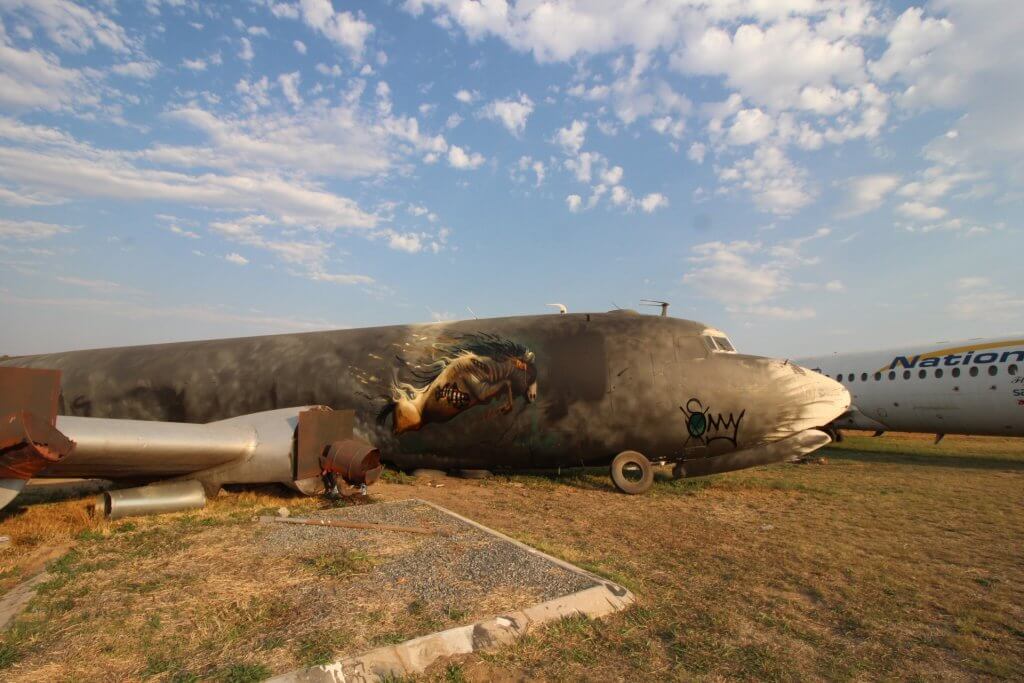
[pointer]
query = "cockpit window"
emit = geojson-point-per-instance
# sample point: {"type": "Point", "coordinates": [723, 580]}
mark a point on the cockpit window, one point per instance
{"type": "Point", "coordinates": [717, 341]}
{"type": "Point", "coordinates": [724, 344]}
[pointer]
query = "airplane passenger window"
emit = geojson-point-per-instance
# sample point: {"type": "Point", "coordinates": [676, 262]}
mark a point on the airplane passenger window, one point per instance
{"type": "Point", "coordinates": [839, 378]}
{"type": "Point", "coordinates": [974, 371]}
{"type": "Point", "coordinates": [1012, 369]}
{"type": "Point", "coordinates": [938, 373]}
{"type": "Point", "coordinates": [892, 375]}
{"type": "Point", "coordinates": [922, 374]}
{"type": "Point", "coordinates": [878, 376]}
{"type": "Point", "coordinates": [992, 370]}
{"type": "Point", "coordinates": [956, 372]}
{"type": "Point", "coordinates": [906, 374]}
{"type": "Point", "coordinates": [863, 377]}
{"type": "Point", "coordinates": [850, 377]}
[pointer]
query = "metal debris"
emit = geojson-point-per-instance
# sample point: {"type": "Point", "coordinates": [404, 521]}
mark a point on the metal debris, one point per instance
{"type": "Point", "coordinates": [349, 525]}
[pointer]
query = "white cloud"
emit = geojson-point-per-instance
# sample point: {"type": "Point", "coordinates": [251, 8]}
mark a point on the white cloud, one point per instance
{"type": "Point", "coordinates": [246, 52]}
{"type": "Point", "coordinates": [300, 46]}
{"type": "Point", "coordinates": [142, 70]}
{"type": "Point", "coordinates": [256, 323]}
{"type": "Point", "coordinates": [341, 278]}
{"type": "Point", "coordinates": [968, 59]}
{"type": "Point", "coordinates": [723, 272]}
{"type": "Point", "coordinates": [527, 163]}
{"type": "Point", "coordinates": [834, 286]}
{"type": "Point", "coordinates": [50, 162]}
{"type": "Point", "coordinates": [574, 202]}
{"type": "Point", "coordinates": [748, 276]}
{"type": "Point", "coordinates": [191, 234]}
{"type": "Point", "coordinates": [696, 152]}
{"type": "Point", "coordinates": [971, 282]}
{"type": "Point", "coordinates": [452, 121]}
{"type": "Point", "coordinates": [866, 193]}
{"type": "Point", "coordinates": [653, 201]}
{"type": "Point", "coordinates": [572, 136]}
{"type": "Point", "coordinates": [749, 126]}
{"type": "Point", "coordinates": [771, 65]}
{"type": "Point", "coordinates": [462, 160]}
{"type": "Point", "coordinates": [409, 242]}
{"type": "Point", "coordinates": [666, 125]}
{"type": "Point", "coordinates": [73, 27]}
{"type": "Point", "coordinates": [85, 283]}
{"type": "Point", "coordinates": [290, 88]}
{"type": "Point", "coordinates": [284, 10]}
{"type": "Point", "coordinates": [344, 28]}
{"type": "Point", "coordinates": [612, 175]}
{"type": "Point", "coordinates": [979, 299]}
{"type": "Point", "coordinates": [775, 312]}
{"type": "Point", "coordinates": [34, 79]}
{"type": "Point", "coordinates": [921, 212]}
{"type": "Point", "coordinates": [776, 184]}
{"type": "Point", "coordinates": [511, 113]}
{"type": "Point", "coordinates": [620, 196]}
{"type": "Point", "coordinates": [911, 39]}
{"type": "Point", "coordinates": [236, 258]}
{"type": "Point", "coordinates": [29, 230]}
{"type": "Point", "coordinates": [467, 97]}
{"type": "Point", "coordinates": [334, 71]}
{"type": "Point", "coordinates": [196, 65]}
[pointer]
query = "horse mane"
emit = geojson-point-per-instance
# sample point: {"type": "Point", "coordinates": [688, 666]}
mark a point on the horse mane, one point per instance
{"type": "Point", "coordinates": [480, 344]}
{"type": "Point", "coordinates": [483, 344]}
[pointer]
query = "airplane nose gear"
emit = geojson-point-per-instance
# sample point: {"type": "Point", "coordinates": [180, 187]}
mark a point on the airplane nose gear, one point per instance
{"type": "Point", "coordinates": [632, 472]}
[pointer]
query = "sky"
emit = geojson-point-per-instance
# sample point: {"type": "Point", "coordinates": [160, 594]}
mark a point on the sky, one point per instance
{"type": "Point", "coordinates": [807, 175]}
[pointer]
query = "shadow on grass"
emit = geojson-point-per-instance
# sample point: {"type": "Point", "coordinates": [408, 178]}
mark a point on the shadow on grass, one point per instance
{"type": "Point", "coordinates": [980, 462]}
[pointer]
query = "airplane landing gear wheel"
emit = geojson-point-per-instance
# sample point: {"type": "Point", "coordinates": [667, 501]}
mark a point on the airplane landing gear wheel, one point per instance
{"type": "Point", "coordinates": [632, 473]}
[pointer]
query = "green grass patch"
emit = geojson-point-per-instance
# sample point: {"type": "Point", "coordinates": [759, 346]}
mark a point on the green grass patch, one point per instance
{"type": "Point", "coordinates": [242, 673]}
{"type": "Point", "coordinates": [336, 565]}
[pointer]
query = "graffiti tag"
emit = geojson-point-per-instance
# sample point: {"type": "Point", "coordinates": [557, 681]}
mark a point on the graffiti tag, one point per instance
{"type": "Point", "coordinates": [705, 426]}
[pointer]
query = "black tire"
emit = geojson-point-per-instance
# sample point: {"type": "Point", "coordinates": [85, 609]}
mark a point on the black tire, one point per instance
{"type": "Point", "coordinates": [624, 468]}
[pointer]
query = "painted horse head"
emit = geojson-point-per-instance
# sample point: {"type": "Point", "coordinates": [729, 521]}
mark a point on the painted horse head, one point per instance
{"type": "Point", "coordinates": [524, 377]}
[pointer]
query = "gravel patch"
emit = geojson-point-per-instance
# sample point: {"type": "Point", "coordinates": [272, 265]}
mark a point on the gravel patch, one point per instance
{"type": "Point", "coordinates": [466, 566]}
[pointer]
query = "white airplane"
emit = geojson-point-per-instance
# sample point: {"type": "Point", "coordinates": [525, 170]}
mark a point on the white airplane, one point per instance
{"type": "Point", "coordinates": [966, 387]}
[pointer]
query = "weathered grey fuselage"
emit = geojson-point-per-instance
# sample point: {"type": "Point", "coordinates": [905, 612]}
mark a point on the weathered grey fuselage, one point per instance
{"type": "Point", "coordinates": [552, 390]}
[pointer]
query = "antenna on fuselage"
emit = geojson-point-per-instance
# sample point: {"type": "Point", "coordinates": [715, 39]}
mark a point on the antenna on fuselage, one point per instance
{"type": "Point", "coordinates": [652, 302]}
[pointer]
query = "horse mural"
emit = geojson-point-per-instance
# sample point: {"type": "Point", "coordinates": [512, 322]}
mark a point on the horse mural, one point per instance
{"type": "Point", "coordinates": [472, 371]}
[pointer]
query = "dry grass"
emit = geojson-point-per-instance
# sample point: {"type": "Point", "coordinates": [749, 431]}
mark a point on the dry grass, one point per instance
{"type": "Point", "coordinates": [213, 595]}
{"type": "Point", "coordinates": [896, 560]}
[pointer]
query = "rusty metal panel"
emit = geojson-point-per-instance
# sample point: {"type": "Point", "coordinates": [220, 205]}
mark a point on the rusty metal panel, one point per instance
{"type": "Point", "coordinates": [29, 444]}
{"type": "Point", "coordinates": [318, 429]}
{"type": "Point", "coordinates": [30, 390]}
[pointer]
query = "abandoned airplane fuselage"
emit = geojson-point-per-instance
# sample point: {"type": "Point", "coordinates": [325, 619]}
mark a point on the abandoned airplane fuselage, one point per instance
{"type": "Point", "coordinates": [506, 393]}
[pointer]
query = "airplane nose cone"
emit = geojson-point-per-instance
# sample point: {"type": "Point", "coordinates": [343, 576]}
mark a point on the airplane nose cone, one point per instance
{"type": "Point", "coordinates": [804, 399]}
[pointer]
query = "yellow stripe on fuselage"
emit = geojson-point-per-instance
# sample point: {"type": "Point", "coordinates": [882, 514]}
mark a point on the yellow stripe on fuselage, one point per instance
{"type": "Point", "coordinates": [959, 349]}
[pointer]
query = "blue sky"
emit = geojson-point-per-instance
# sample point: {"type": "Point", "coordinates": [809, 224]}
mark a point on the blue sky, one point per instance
{"type": "Point", "coordinates": [809, 175]}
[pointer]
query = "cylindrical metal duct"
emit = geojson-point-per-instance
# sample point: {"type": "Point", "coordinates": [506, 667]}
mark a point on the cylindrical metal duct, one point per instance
{"type": "Point", "coordinates": [141, 448]}
{"type": "Point", "coordinates": [151, 500]}
{"type": "Point", "coordinates": [355, 461]}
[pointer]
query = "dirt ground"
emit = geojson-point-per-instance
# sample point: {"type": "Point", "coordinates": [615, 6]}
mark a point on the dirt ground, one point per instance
{"type": "Point", "coordinates": [895, 559]}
